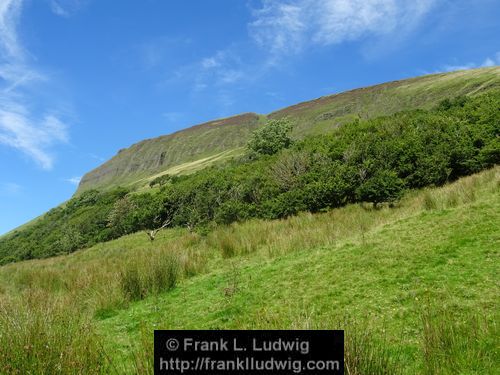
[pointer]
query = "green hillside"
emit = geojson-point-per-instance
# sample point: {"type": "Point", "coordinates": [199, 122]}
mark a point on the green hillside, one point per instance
{"type": "Point", "coordinates": [375, 160]}
{"type": "Point", "coordinates": [320, 116]}
{"type": "Point", "coordinates": [413, 286]}
{"type": "Point", "coordinates": [375, 211]}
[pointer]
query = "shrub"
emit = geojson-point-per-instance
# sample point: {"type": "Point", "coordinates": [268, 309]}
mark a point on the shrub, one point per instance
{"type": "Point", "coordinates": [271, 138]}
{"type": "Point", "coordinates": [372, 160]}
{"type": "Point", "coordinates": [384, 186]}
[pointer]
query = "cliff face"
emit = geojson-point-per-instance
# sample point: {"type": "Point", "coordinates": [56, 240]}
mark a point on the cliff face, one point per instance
{"type": "Point", "coordinates": [152, 156]}
{"type": "Point", "coordinates": [322, 115]}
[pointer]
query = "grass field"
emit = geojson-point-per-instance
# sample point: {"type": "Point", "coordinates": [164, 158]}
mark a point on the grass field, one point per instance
{"type": "Point", "coordinates": [415, 287]}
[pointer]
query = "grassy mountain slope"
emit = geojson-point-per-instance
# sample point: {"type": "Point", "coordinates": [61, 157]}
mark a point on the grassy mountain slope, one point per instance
{"type": "Point", "coordinates": [372, 160]}
{"type": "Point", "coordinates": [151, 156]}
{"type": "Point", "coordinates": [156, 156]}
{"type": "Point", "coordinates": [388, 277]}
{"type": "Point", "coordinates": [413, 285]}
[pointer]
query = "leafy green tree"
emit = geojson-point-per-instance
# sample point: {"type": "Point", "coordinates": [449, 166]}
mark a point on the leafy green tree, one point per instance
{"type": "Point", "coordinates": [384, 186]}
{"type": "Point", "coordinates": [120, 218]}
{"type": "Point", "coordinates": [69, 240]}
{"type": "Point", "coordinates": [271, 138]}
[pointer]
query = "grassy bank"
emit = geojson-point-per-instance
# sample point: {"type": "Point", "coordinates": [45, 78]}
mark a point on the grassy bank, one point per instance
{"type": "Point", "coordinates": [413, 285]}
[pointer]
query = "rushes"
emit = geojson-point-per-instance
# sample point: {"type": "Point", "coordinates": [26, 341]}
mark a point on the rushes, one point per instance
{"type": "Point", "coordinates": [42, 335]}
{"type": "Point", "coordinates": [153, 275]}
{"type": "Point", "coordinates": [429, 201]}
{"type": "Point", "coordinates": [367, 354]}
{"type": "Point", "coordinates": [131, 283]}
{"type": "Point", "coordinates": [450, 346]}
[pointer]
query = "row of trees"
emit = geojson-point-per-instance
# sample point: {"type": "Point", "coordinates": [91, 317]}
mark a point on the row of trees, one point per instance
{"type": "Point", "coordinates": [365, 161]}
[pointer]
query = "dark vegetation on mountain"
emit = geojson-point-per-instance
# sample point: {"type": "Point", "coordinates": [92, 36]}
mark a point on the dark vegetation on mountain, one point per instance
{"type": "Point", "coordinates": [373, 160]}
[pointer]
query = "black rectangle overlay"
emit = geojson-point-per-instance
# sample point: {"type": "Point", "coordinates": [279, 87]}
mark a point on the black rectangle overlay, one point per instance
{"type": "Point", "coordinates": [248, 352]}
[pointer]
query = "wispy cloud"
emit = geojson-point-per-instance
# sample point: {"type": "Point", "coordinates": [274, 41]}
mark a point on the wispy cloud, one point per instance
{"type": "Point", "coordinates": [21, 128]}
{"type": "Point", "coordinates": [74, 180]}
{"type": "Point", "coordinates": [67, 8]}
{"type": "Point", "coordinates": [289, 27]}
{"type": "Point", "coordinates": [217, 72]}
{"type": "Point", "coordinates": [489, 61]}
{"type": "Point", "coordinates": [279, 30]}
{"type": "Point", "coordinates": [17, 130]}
{"type": "Point", "coordinates": [223, 68]}
{"type": "Point", "coordinates": [9, 15]}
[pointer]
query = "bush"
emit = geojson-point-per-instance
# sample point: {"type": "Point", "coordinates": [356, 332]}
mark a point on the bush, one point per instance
{"type": "Point", "coordinates": [271, 138]}
{"type": "Point", "coordinates": [384, 186]}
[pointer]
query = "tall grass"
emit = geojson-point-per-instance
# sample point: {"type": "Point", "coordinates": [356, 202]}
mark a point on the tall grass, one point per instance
{"type": "Point", "coordinates": [153, 275]}
{"type": "Point", "coordinates": [464, 191]}
{"type": "Point", "coordinates": [451, 346]}
{"type": "Point", "coordinates": [47, 306]}
{"type": "Point", "coordinates": [42, 335]}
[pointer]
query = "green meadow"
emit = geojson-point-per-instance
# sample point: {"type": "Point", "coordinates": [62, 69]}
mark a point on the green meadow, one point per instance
{"type": "Point", "coordinates": [413, 284]}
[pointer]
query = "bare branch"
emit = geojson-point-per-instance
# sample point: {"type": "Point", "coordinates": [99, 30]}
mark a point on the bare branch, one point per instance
{"type": "Point", "coordinates": [152, 233]}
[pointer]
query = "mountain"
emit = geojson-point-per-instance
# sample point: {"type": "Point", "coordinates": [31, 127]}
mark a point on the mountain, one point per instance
{"type": "Point", "coordinates": [201, 145]}
{"type": "Point", "coordinates": [367, 145]}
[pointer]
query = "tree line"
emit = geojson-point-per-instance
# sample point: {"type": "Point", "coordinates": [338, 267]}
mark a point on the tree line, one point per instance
{"type": "Point", "coordinates": [374, 160]}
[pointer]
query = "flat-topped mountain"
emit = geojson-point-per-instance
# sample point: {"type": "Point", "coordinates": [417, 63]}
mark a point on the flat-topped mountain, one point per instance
{"type": "Point", "coordinates": [200, 145]}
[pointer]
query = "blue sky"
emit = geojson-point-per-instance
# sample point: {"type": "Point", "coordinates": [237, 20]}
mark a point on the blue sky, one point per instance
{"type": "Point", "coordinates": [80, 79]}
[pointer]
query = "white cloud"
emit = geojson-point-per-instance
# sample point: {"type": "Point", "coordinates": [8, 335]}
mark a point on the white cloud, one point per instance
{"type": "Point", "coordinates": [66, 8]}
{"type": "Point", "coordinates": [210, 62]}
{"type": "Point", "coordinates": [21, 129]}
{"type": "Point", "coordinates": [9, 15]}
{"type": "Point", "coordinates": [223, 68]}
{"type": "Point", "coordinates": [489, 61]}
{"type": "Point", "coordinates": [290, 26]}
{"type": "Point", "coordinates": [17, 131]}
{"type": "Point", "coordinates": [74, 180]}
{"type": "Point", "coordinates": [281, 26]}
{"type": "Point", "coordinates": [58, 9]}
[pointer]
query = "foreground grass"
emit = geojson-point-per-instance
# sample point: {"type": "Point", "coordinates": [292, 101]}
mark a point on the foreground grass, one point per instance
{"type": "Point", "coordinates": [414, 286]}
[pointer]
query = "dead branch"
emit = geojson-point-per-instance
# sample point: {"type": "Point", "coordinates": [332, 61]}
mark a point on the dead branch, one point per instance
{"type": "Point", "coordinates": [152, 233]}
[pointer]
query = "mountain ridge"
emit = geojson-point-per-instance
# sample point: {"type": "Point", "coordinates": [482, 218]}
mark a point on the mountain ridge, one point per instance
{"type": "Point", "coordinates": [155, 156]}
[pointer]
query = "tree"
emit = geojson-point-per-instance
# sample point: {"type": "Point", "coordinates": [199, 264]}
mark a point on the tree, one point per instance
{"type": "Point", "coordinates": [271, 138]}
{"type": "Point", "coordinates": [384, 186]}
{"type": "Point", "coordinates": [69, 240]}
{"type": "Point", "coordinates": [288, 169]}
{"type": "Point", "coordinates": [120, 218]}
{"type": "Point", "coordinates": [153, 232]}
